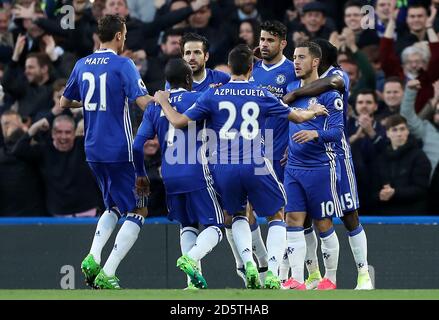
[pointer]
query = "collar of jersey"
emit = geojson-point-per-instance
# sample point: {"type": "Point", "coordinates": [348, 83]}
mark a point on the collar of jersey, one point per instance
{"type": "Point", "coordinates": [105, 51]}
{"type": "Point", "coordinates": [177, 90]}
{"type": "Point", "coordinates": [238, 81]}
{"type": "Point", "coordinates": [326, 72]}
{"type": "Point", "coordinates": [274, 66]}
{"type": "Point", "coordinates": [204, 77]}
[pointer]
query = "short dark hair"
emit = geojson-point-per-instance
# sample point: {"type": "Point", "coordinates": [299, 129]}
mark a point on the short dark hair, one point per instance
{"type": "Point", "coordinates": [176, 72]}
{"type": "Point", "coordinates": [42, 59]}
{"type": "Point", "coordinates": [240, 59]}
{"type": "Point", "coordinates": [394, 120]}
{"type": "Point", "coordinates": [275, 28]}
{"type": "Point", "coordinates": [417, 5]}
{"type": "Point", "coordinates": [329, 52]}
{"type": "Point", "coordinates": [354, 3]}
{"type": "Point", "coordinates": [108, 26]}
{"type": "Point", "coordinates": [394, 79]}
{"type": "Point", "coordinates": [193, 37]}
{"type": "Point", "coordinates": [365, 91]}
{"type": "Point", "coordinates": [314, 48]}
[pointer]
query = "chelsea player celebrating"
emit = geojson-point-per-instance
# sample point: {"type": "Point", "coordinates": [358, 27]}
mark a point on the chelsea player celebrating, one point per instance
{"type": "Point", "coordinates": [237, 112]}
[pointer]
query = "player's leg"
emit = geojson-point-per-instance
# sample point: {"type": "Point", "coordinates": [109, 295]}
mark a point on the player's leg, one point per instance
{"type": "Point", "coordinates": [296, 212]}
{"type": "Point", "coordinates": [268, 198]}
{"type": "Point", "coordinates": [228, 182]}
{"type": "Point", "coordinates": [259, 249]}
{"type": "Point", "coordinates": [351, 221]}
{"type": "Point", "coordinates": [240, 270]}
{"type": "Point", "coordinates": [122, 183]}
{"type": "Point", "coordinates": [311, 260]}
{"type": "Point", "coordinates": [330, 252]}
{"type": "Point", "coordinates": [90, 266]}
{"type": "Point", "coordinates": [176, 204]}
{"type": "Point", "coordinates": [324, 203]}
{"type": "Point", "coordinates": [203, 207]}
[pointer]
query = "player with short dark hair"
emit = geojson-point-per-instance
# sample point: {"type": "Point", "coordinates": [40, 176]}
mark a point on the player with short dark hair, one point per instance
{"type": "Point", "coordinates": [312, 171]}
{"type": "Point", "coordinates": [190, 195]}
{"type": "Point", "coordinates": [105, 84]}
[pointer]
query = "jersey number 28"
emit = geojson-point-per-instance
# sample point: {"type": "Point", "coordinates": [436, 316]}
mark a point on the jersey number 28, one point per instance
{"type": "Point", "coordinates": [249, 113]}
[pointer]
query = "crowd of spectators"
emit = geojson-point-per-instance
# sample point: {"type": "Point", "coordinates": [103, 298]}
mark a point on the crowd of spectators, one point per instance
{"type": "Point", "coordinates": [389, 48]}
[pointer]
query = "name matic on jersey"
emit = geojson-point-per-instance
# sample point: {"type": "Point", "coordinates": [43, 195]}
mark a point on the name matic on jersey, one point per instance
{"type": "Point", "coordinates": [97, 60]}
{"type": "Point", "coordinates": [239, 92]}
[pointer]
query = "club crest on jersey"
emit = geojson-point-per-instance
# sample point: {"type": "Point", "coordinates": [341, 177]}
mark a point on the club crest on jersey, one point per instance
{"type": "Point", "coordinates": [280, 79]}
{"type": "Point", "coordinates": [312, 101]}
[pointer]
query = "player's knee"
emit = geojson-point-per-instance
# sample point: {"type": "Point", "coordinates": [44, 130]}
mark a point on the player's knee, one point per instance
{"type": "Point", "coordinates": [294, 219]}
{"type": "Point", "coordinates": [323, 225]}
{"type": "Point", "coordinates": [351, 220]}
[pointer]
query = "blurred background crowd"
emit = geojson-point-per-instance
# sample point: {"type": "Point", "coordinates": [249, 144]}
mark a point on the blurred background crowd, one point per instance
{"type": "Point", "coordinates": [391, 55]}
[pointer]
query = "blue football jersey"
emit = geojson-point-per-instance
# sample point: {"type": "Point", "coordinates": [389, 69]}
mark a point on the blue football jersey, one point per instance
{"type": "Point", "coordinates": [182, 168]}
{"type": "Point", "coordinates": [275, 79]}
{"type": "Point", "coordinates": [212, 77]}
{"type": "Point", "coordinates": [342, 147]}
{"type": "Point", "coordinates": [315, 154]}
{"type": "Point", "coordinates": [237, 112]}
{"type": "Point", "coordinates": [106, 84]}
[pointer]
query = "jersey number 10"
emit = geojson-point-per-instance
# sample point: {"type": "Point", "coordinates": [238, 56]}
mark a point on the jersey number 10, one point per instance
{"type": "Point", "coordinates": [89, 106]}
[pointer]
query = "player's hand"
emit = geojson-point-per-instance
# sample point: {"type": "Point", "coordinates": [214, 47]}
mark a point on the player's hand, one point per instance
{"type": "Point", "coordinates": [142, 186]}
{"type": "Point", "coordinates": [304, 136]}
{"type": "Point", "coordinates": [40, 125]}
{"type": "Point", "coordinates": [215, 85]}
{"type": "Point", "coordinates": [161, 96]}
{"type": "Point", "coordinates": [319, 110]}
{"type": "Point", "coordinates": [415, 84]}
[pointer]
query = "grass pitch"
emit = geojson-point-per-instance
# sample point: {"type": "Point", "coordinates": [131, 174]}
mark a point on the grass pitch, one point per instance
{"type": "Point", "coordinates": [214, 294]}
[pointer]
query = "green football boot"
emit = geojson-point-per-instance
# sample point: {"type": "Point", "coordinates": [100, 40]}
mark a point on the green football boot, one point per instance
{"type": "Point", "coordinates": [271, 281]}
{"type": "Point", "coordinates": [252, 276]}
{"type": "Point", "coordinates": [103, 281]}
{"type": "Point", "coordinates": [189, 266]}
{"type": "Point", "coordinates": [90, 268]}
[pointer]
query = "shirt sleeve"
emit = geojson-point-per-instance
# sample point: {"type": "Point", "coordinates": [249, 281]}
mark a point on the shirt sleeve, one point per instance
{"type": "Point", "coordinates": [275, 107]}
{"type": "Point", "coordinates": [132, 82]}
{"type": "Point", "coordinates": [334, 125]}
{"type": "Point", "coordinates": [71, 91]}
{"type": "Point", "coordinates": [200, 110]}
{"type": "Point", "coordinates": [145, 132]}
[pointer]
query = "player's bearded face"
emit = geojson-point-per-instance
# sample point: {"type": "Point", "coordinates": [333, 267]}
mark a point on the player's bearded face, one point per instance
{"type": "Point", "coordinates": [195, 56]}
{"type": "Point", "coordinates": [270, 46]}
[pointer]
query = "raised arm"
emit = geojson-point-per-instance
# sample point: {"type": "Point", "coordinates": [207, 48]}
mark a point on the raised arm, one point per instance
{"type": "Point", "coordinates": [334, 82]}
{"type": "Point", "coordinates": [178, 120]}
